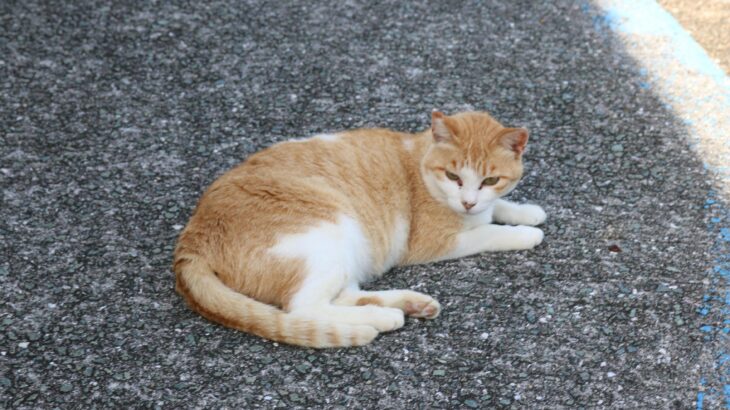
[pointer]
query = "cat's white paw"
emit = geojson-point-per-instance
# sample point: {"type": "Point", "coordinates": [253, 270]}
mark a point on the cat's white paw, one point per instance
{"type": "Point", "coordinates": [531, 215]}
{"type": "Point", "coordinates": [532, 236]}
{"type": "Point", "coordinates": [385, 319]}
{"type": "Point", "coordinates": [523, 237]}
{"type": "Point", "coordinates": [519, 214]}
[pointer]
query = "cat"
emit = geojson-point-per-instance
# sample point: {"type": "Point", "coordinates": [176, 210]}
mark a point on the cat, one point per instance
{"type": "Point", "coordinates": [279, 245]}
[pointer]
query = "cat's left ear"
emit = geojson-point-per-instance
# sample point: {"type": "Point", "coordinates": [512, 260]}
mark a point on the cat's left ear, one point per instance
{"type": "Point", "coordinates": [440, 128]}
{"type": "Point", "coordinates": [515, 139]}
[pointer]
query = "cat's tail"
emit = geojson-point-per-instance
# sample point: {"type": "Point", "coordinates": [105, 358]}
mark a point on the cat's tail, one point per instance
{"type": "Point", "coordinates": [210, 297]}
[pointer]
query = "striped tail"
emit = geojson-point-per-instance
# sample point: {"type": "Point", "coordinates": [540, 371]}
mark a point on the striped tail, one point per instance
{"type": "Point", "coordinates": [210, 297]}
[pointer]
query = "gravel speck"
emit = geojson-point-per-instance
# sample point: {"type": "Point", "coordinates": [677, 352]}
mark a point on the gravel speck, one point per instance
{"type": "Point", "coordinates": [471, 403]}
{"type": "Point", "coordinates": [530, 316]}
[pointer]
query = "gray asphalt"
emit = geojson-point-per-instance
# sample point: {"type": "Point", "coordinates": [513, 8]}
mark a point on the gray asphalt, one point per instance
{"type": "Point", "coordinates": [114, 116]}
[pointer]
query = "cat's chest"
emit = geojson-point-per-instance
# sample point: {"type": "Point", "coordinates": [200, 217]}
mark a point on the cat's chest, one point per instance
{"type": "Point", "coordinates": [482, 218]}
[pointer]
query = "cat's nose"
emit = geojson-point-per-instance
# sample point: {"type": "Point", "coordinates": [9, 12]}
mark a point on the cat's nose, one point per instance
{"type": "Point", "coordinates": [468, 205]}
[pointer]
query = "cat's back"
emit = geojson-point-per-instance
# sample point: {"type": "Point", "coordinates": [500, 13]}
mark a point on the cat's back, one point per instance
{"type": "Point", "coordinates": [329, 152]}
{"type": "Point", "coordinates": [352, 171]}
{"type": "Point", "coordinates": [358, 162]}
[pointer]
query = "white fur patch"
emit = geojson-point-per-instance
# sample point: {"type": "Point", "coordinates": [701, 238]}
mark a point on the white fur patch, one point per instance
{"type": "Point", "coordinates": [327, 137]}
{"type": "Point", "coordinates": [408, 144]}
{"type": "Point", "coordinates": [398, 243]}
{"type": "Point", "coordinates": [335, 254]}
{"type": "Point", "coordinates": [323, 137]}
{"type": "Point", "coordinates": [472, 182]}
{"type": "Point", "coordinates": [484, 217]}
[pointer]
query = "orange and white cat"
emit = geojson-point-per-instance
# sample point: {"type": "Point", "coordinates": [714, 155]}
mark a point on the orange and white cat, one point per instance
{"type": "Point", "coordinates": [279, 245]}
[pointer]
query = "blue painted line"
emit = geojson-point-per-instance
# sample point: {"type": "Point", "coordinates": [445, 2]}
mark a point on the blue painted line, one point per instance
{"type": "Point", "coordinates": [700, 400]}
{"type": "Point", "coordinates": [644, 21]}
{"type": "Point", "coordinates": [725, 232]}
{"type": "Point", "coordinates": [720, 295]}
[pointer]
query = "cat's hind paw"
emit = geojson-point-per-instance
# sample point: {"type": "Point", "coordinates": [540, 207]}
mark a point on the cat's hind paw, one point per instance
{"type": "Point", "coordinates": [426, 308]}
{"type": "Point", "coordinates": [387, 319]}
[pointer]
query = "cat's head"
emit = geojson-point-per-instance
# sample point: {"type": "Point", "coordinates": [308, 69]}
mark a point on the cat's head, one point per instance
{"type": "Point", "coordinates": [472, 161]}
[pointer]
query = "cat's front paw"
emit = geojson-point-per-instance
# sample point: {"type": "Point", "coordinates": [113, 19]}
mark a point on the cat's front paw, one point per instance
{"type": "Point", "coordinates": [531, 215]}
{"type": "Point", "coordinates": [532, 236]}
{"type": "Point", "coordinates": [524, 237]}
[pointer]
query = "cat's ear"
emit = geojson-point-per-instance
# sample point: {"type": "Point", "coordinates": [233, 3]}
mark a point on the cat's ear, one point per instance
{"type": "Point", "coordinates": [439, 127]}
{"type": "Point", "coordinates": [515, 139]}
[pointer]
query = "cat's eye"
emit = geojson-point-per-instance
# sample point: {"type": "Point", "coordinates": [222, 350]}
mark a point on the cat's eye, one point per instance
{"type": "Point", "coordinates": [453, 177]}
{"type": "Point", "coordinates": [490, 181]}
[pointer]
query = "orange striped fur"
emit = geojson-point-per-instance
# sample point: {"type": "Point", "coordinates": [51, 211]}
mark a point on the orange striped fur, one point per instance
{"type": "Point", "coordinates": [278, 245]}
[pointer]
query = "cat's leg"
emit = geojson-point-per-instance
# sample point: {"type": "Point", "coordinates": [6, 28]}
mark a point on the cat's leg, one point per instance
{"type": "Point", "coordinates": [333, 255]}
{"type": "Point", "coordinates": [314, 300]}
{"type": "Point", "coordinates": [492, 238]}
{"type": "Point", "coordinates": [412, 303]}
{"type": "Point", "coordinates": [518, 214]}
{"type": "Point", "coordinates": [384, 319]}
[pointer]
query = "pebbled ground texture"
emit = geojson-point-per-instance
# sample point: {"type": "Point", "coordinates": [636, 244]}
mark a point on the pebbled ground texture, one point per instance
{"type": "Point", "coordinates": [114, 116]}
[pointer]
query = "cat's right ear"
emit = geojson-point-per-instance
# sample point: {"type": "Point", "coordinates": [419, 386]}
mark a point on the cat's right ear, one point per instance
{"type": "Point", "coordinates": [439, 128]}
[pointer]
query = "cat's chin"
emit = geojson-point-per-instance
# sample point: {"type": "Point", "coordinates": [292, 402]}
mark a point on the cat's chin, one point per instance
{"type": "Point", "coordinates": [472, 212]}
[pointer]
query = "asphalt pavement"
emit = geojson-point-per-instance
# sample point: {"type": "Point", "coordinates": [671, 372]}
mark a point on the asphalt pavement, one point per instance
{"type": "Point", "coordinates": [115, 116]}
